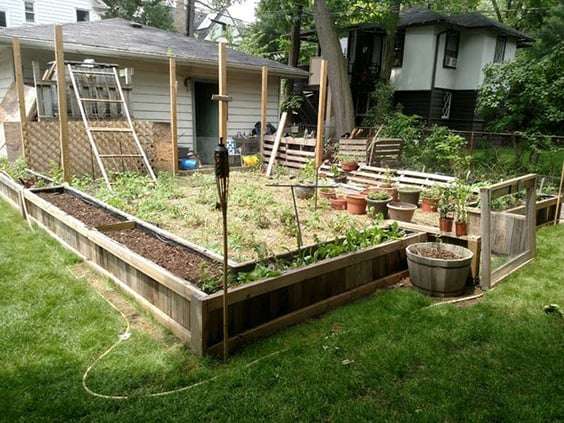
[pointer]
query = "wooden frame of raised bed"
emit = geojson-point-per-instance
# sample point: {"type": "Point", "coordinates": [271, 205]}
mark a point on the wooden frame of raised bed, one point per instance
{"type": "Point", "coordinates": [11, 192]}
{"type": "Point", "coordinates": [255, 309]}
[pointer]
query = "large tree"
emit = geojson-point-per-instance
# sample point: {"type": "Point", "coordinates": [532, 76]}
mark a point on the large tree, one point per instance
{"type": "Point", "coordinates": [147, 12]}
{"type": "Point", "coordinates": [337, 68]}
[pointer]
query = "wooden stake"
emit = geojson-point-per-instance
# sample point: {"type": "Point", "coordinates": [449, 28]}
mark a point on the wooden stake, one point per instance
{"type": "Point", "coordinates": [20, 91]}
{"type": "Point", "coordinates": [321, 113]}
{"type": "Point", "coordinates": [558, 202]}
{"type": "Point", "coordinates": [62, 101]}
{"type": "Point", "coordinates": [277, 139]}
{"type": "Point", "coordinates": [222, 92]}
{"type": "Point", "coordinates": [173, 113]}
{"type": "Point", "coordinates": [263, 106]}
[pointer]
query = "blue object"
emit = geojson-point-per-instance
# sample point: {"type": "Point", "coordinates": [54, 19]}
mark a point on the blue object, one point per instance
{"type": "Point", "coordinates": [189, 164]}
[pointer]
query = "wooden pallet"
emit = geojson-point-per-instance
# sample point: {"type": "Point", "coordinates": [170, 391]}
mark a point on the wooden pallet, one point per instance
{"type": "Point", "coordinates": [292, 152]}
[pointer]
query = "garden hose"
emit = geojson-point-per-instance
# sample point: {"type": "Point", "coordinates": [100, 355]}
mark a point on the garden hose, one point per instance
{"type": "Point", "coordinates": [125, 336]}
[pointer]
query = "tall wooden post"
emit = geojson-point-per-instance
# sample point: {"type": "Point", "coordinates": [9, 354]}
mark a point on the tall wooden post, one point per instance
{"type": "Point", "coordinates": [62, 101]}
{"type": "Point", "coordinates": [222, 92]}
{"type": "Point", "coordinates": [173, 112]}
{"type": "Point", "coordinates": [321, 114]}
{"type": "Point", "coordinates": [20, 92]}
{"type": "Point", "coordinates": [263, 106]}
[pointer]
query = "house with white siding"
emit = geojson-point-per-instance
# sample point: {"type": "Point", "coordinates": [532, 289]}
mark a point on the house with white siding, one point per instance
{"type": "Point", "coordinates": [144, 52]}
{"type": "Point", "coordinates": [40, 12]}
{"type": "Point", "coordinates": [438, 66]}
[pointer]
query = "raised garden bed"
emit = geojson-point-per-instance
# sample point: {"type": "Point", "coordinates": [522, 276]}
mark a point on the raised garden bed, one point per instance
{"type": "Point", "coordinates": [115, 243]}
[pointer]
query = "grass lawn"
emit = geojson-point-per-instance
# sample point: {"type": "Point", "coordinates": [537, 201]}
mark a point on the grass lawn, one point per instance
{"type": "Point", "coordinates": [387, 357]}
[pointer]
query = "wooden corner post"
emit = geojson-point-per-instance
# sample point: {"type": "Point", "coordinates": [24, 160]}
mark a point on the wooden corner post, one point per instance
{"type": "Point", "coordinates": [263, 107]}
{"type": "Point", "coordinates": [62, 102]}
{"type": "Point", "coordinates": [321, 114]}
{"type": "Point", "coordinates": [20, 92]}
{"type": "Point", "coordinates": [173, 112]}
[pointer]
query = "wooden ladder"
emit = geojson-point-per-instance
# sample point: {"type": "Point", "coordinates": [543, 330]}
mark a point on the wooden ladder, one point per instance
{"type": "Point", "coordinates": [109, 74]}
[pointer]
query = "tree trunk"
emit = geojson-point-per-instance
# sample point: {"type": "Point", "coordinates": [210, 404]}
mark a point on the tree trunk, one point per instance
{"type": "Point", "coordinates": [295, 44]}
{"type": "Point", "coordinates": [337, 68]}
{"type": "Point", "coordinates": [190, 12]}
{"type": "Point", "coordinates": [390, 41]}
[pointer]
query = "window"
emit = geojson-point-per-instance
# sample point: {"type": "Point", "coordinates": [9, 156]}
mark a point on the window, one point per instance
{"type": "Point", "coordinates": [500, 44]}
{"type": "Point", "coordinates": [82, 15]}
{"type": "Point", "coordinates": [3, 20]}
{"type": "Point", "coordinates": [451, 49]}
{"type": "Point", "coordinates": [398, 49]}
{"type": "Point", "coordinates": [29, 11]}
{"type": "Point", "coordinates": [445, 109]}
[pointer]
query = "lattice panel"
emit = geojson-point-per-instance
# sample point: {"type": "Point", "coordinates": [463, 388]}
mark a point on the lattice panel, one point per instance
{"type": "Point", "coordinates": [43, 151]}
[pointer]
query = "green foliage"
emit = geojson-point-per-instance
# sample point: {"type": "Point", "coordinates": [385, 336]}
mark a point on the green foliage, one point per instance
{"type": "Point", "coordinates": [153, 13]}
{"type": "Point", "coordinates": [442, 151]}
{"type": "Point", "coordinates": [382, 105]}
{"type": "Point", "coordinates": [447, 198]}
{"type": "Point", "coordinates": [378, 196]}
{"type": "Point", "coordinates": [16, 169]}
{"type": "Point", "coordinates": [461, 193]}
{"type": "Point", "coordinates": [432, 193]}
{"type": "Point", "coordinates": [307, 173]}
{"type": "Point", "coordinates": [292, 104]}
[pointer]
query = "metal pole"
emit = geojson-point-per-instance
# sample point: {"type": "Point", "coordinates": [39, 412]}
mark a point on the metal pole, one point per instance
{"type": "Point", "coordinates": [299, 237]}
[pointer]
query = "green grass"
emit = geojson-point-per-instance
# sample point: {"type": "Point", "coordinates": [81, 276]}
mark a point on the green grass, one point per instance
{"type": "Point", "coordinates": [498, 360]}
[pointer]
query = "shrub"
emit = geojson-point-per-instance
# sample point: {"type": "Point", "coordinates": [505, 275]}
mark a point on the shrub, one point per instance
{"type": "Point", "coordinates": [444, 152]}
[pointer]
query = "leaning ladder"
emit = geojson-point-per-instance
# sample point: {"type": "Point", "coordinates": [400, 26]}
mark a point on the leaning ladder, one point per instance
{"type": "Point", "coordinates": [112, 73]}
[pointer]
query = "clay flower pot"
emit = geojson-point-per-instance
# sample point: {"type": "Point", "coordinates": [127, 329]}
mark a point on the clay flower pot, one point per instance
{"type": "Point", "coordinates": [356, 204]}
{"type": "Point", "coordinates": [445, 224]}
{"type": "Point", "coordinates": [460, 228]}
{"type": "Point", "coordinates": [401, 211]}
{"type": "Point", "coordinates": [349, 166]}
{"type": "Point", "coordinates": [327, 194]}
{"type": "Point", "coordinates": [338, 203]}
{"type": "Point", "coordinates": [409, 195]}
{"type": "Point", "coordinates": [391, 190]}
{"type": "Point", "coordinates": [429, 205]}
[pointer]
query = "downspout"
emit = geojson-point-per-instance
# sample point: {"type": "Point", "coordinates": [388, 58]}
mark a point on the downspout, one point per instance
{"type": "Point", "coordinates": [434, 75]}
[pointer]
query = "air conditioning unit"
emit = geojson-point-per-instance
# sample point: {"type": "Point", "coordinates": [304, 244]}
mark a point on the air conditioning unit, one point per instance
{"type": "Point", "coordinates": [451, 62]}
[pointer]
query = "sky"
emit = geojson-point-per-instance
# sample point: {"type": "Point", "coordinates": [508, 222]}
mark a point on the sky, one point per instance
{"type": "Point", "coordinates": [245, 10]}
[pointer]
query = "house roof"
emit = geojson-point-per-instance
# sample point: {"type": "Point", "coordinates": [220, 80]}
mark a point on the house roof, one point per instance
{"type": "Point", "coordinates": [473, 20]}
{"type": "Point", "coordinates": [121, 38]}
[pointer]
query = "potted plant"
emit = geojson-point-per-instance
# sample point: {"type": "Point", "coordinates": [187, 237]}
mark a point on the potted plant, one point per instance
{"type": "Point", "coordinates": [337, 174]}
{"type": "Point", "coordinates": [409, 194]}
{"type": "Point", "coordinates": [306, 188]}
{"type": "Point", "coordinates": [445, 208]}
{"type": "Point", "coordinates": [398, 210]}
{"type": "Point", "coordinates": [348, 163]}
{"type": "Point", "coordinates": [461, 194]}
{"type": "Point", "coordinates": [430, 199]}
{"type": "Point", "coordinates": [327, 193]}
{"type": "Point", "coordinates": [338, 203]}
{"type": "Point", "coordinates": [387, 184]}
{"type": "Point", "coordinates": [356, 203]}
{"type": "Point", "coordinates": [439, 269]}
{"type": "Point", "coordinates": [377, 202]}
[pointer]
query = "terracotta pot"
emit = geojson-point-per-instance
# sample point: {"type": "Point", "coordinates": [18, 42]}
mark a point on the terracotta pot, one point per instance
{"type": "Point", "coordinates": [445, 224]}
{"type": "Point", "coordinates": [349, 166]}
{"type": "Point", "coordinates": [327, 194]}
{"type": "Point", "coordinates": [428, 205]}
{"type": "Point", "coordinates": [378, 206]}
{"type": "Point", "coordinates": [356, 204]}
{"type": "Point", "coordinates": [401, 211]}
{"type": "Point", "coordinates": [338, 203]}
{"type": "Point", "coordinates": [409, 196]}
{"type": "Point", "coordinates": [460, 228]}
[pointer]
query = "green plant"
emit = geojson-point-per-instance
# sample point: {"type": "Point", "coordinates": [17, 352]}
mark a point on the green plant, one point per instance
{"type": "Point", "coordinates": [307, 173]}
{"type": "Point", "coordinates": [446, 202]}
{"type": "Point", "coordinates": [345, 158]}
{"type": "Point", "coordinates": [461, 193]}
{"type": "Point", "coordinates": [335, 170]}
{"type": "Point", "coordinates": [443, 151]}
{"type": "Point", "coordinates": [388, 177]}
{"type": "Point", "coordinates": [292, 104]}
{"type": "Point", "coordinates": [432, 193]}
{"type": "Point", "coordinates": [379, 196]}
{"type": "Point", "coordinates": [16, 169]}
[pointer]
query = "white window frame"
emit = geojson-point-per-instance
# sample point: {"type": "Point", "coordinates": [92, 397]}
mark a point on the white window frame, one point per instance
{"type": "Point", "coordinates": [5, 12]}
{"type": "Point", "coordinates": [32, 12]}
{"type": "Point", "coordinates": [446, 106]}
{"type": "Point", "coordinates": [78, 9]}
{"type": "Point", "coordinates": [500, 46]}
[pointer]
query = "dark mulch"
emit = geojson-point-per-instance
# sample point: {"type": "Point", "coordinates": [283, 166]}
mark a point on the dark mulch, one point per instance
{"type": "Point", "coordinates": [175, 258]}
{"type": "Point", "coordinates": [80, 209]}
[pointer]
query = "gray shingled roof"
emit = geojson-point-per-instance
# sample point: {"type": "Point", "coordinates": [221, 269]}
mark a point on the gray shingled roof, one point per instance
{"type": "Point", "coordinates": [474, 20]}
{"type": "Point", "coordinates": [118, 37]}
